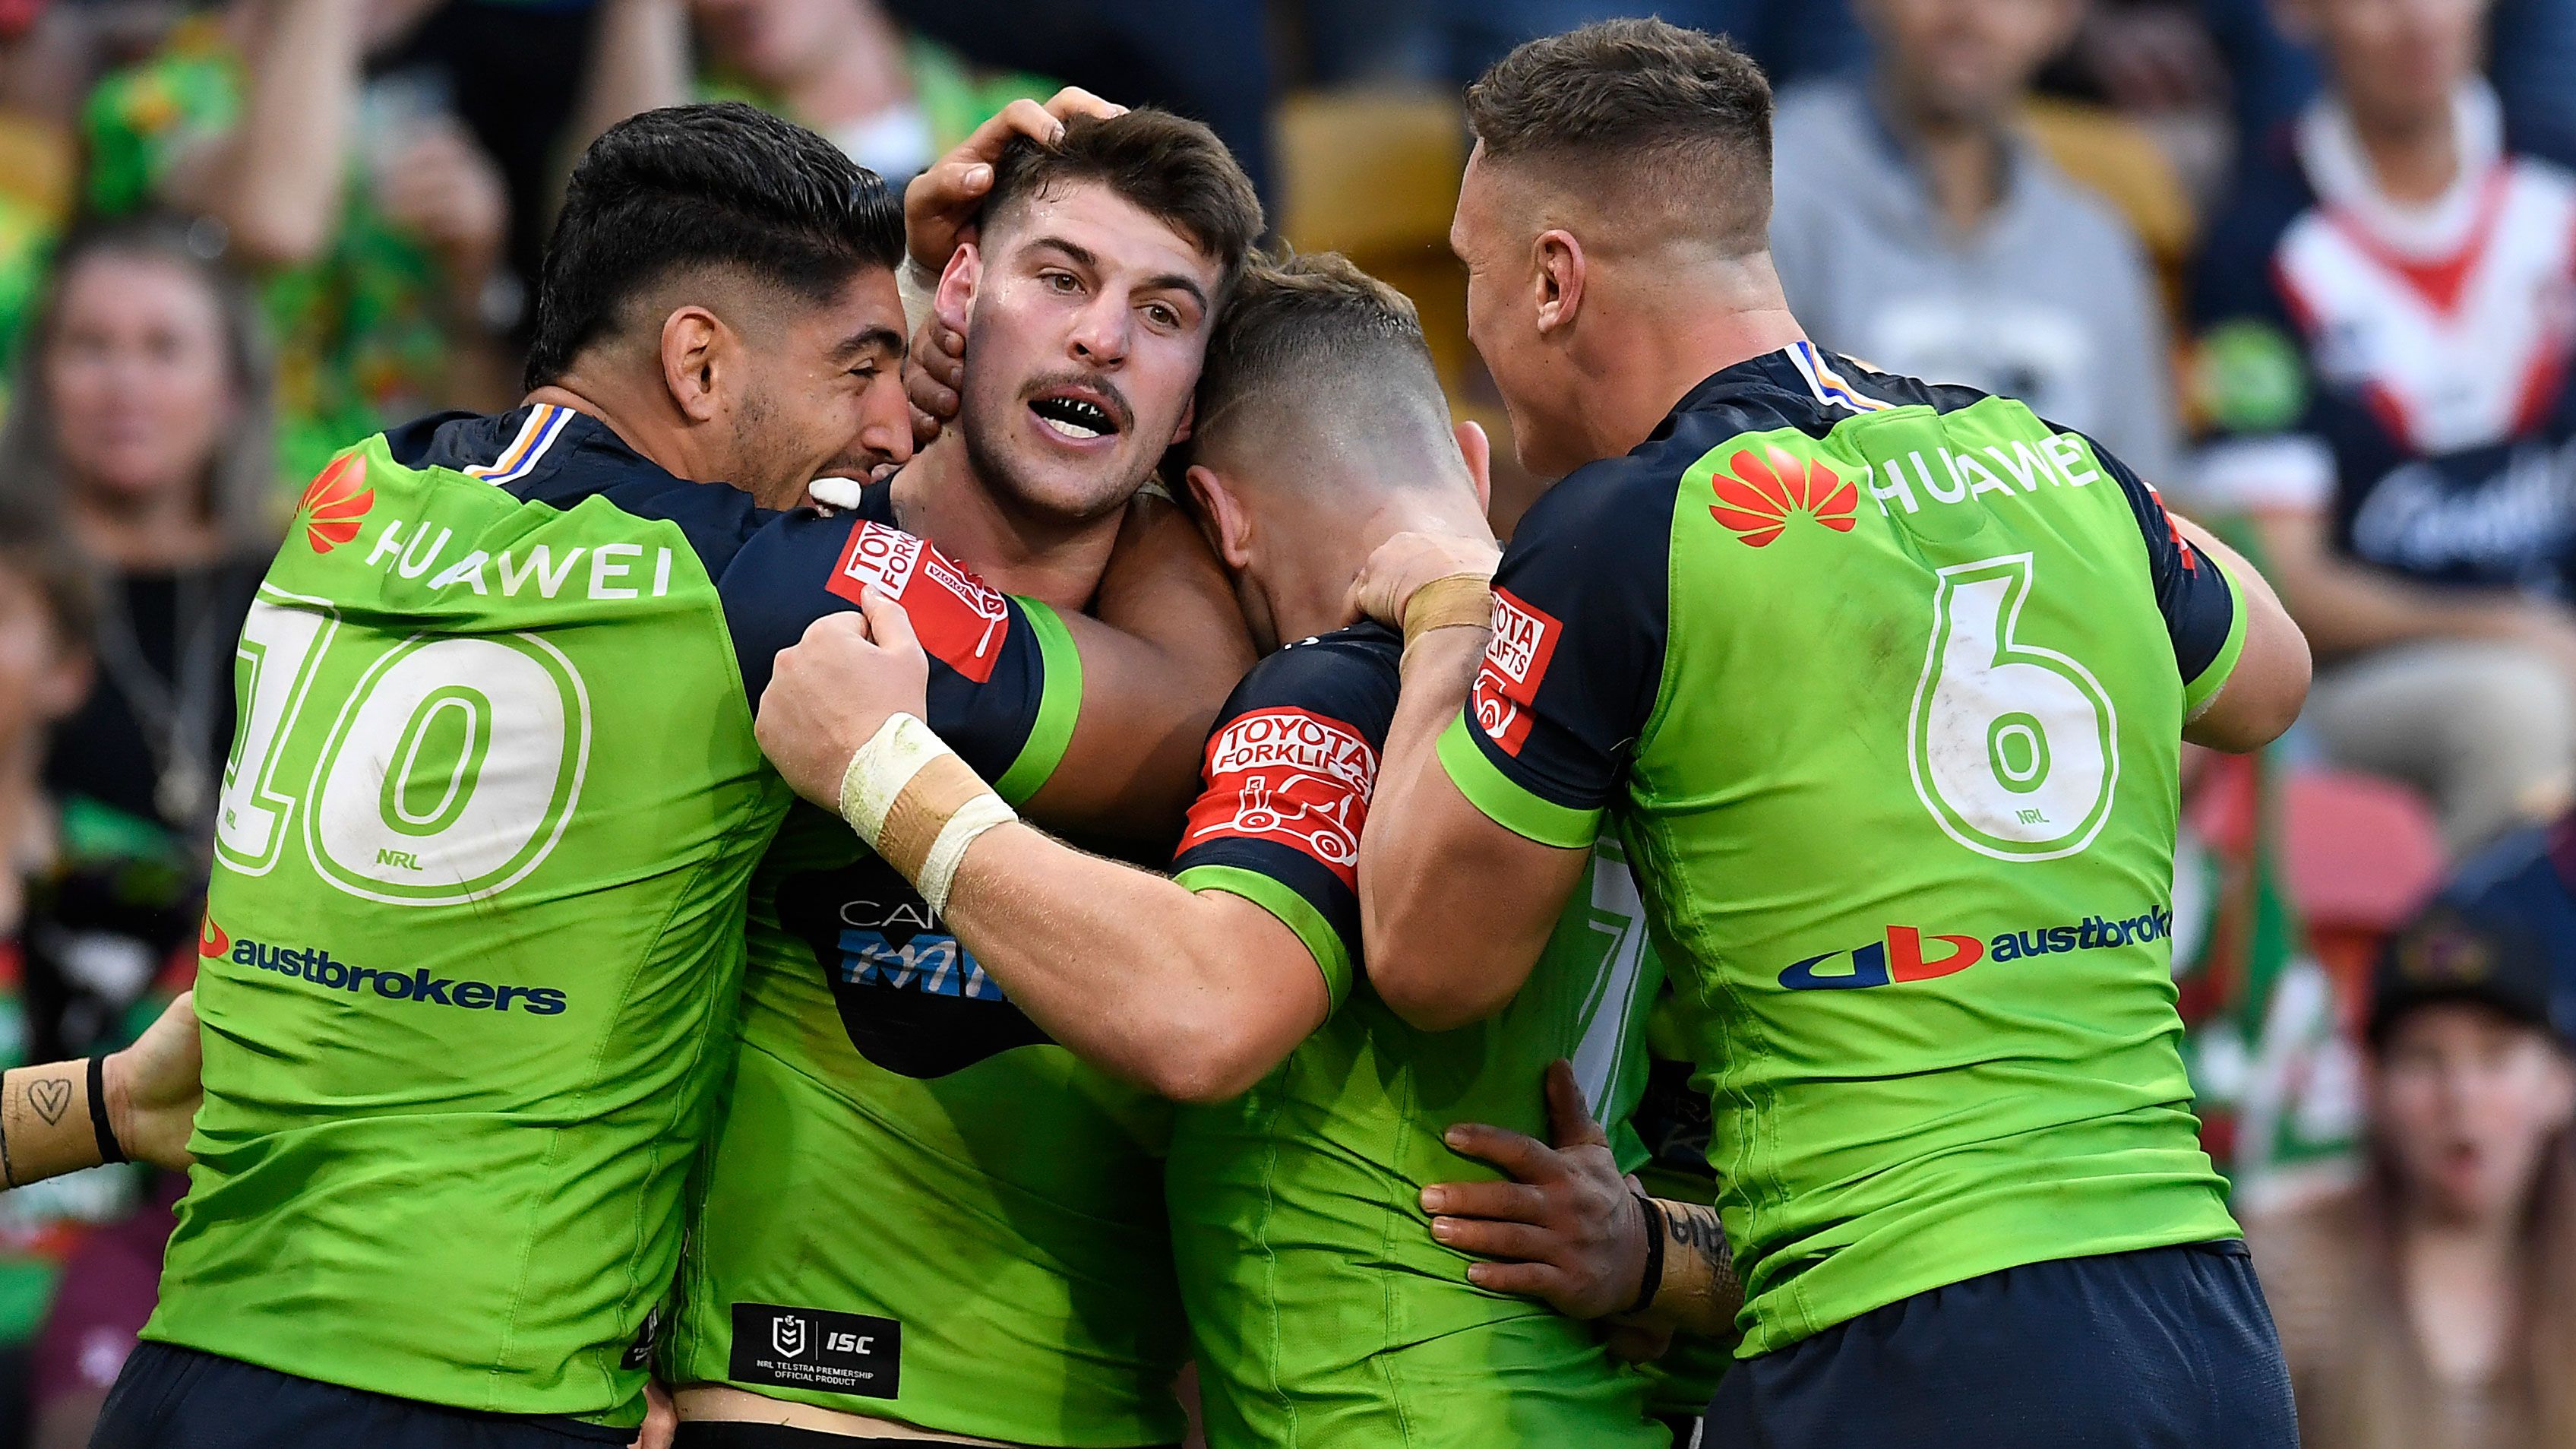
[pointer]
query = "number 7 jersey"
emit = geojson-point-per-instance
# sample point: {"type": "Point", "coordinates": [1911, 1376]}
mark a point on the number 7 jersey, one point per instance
{"type": "Point", "coordinates": [1884, 685]}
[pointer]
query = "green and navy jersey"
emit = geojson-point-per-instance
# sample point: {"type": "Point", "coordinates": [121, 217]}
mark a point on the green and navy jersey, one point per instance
{"type": "Point", "coordinates": [1884, 685]}
{"type": "Point", "coordinates": [917, 1206]}
{"type": "Point", "coordinates": [1323, 1312]}
{"type": "Point", "coordinates": [473, 946]}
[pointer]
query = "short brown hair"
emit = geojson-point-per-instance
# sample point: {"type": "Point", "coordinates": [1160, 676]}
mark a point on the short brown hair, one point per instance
{"type": "Point", "coordinates": [1683, 110]}
{"type": "Point", "coordinates": [1312, 332]}
{"type": "Point", "coordinates": [1172, 168]}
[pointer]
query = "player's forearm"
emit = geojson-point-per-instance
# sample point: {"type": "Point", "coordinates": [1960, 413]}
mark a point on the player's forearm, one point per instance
{"type": "Point", "coordinates": [1695, 1288]}
{"type": "Point", "coordinates": [1129, 970]}
{"type": "Point", "coordinates": [1431, 942]}
{"type": "Point", "coordinates": [2270, 683]}
{"type": "Point", "coordinates": [276, 186]}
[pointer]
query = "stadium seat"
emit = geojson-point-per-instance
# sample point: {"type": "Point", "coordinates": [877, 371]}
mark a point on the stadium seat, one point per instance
{"type": "Point", "coordinates": [1374, 175]}
{"type": "Point", "coordinates": [2362, 854]}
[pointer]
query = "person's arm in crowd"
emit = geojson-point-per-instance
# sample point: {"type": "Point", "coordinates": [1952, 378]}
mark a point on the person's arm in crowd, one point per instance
{"type": "Point", "coordinates": [1568, 1229]}
{"type": "Point", "coordinates": [274, 180]}
{"type": "Point", "coordinates": [2346, 607]}
{"type": "Point", "coordinates": [2270, 682]}
{"type": "Point", "coordinates": [1456, 907]}
{"type": "Point", "coordinates": [137, 1104]}
{"type": "Point", "coordinates": [639, 61]}
{"type": "Point", "coordinates": [1194, 994]}
{"type": "Point", "coordinates": [445, 190]}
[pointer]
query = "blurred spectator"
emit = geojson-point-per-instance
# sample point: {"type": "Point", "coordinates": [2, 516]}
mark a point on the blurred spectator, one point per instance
{"type": "Point", "coordinates": [2434, 1307]}
{"type": "Point", "coordinates": [376, 220]}
{"type": "Point", "coordinates": [1916, 226]}
{"type": "Point", "coordinates": [1455, 40]}
{"type": "Point", "coordinates": [894, 102]}
{"type": "Point", "coordinates": [1208, 61]}
{"type": "Point", "coordinates": [82, 937]}
{"type": "Point", "coordinates": [142, 419]}
{"type": "Point", "coordinates": [2530, 874]}
{"type": "Point", "coordinates": [2387, 323]}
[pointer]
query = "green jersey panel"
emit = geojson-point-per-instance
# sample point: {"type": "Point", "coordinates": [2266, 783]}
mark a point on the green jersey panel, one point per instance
{"type": "Point", "coordinates": [473, 934]}
{"type": "Point", "coordinates": [905, 1159]}
{"type": "Point", "coordinates": [1323, 1312]}
{"type": "Point", "coordinates": [1885, 687]}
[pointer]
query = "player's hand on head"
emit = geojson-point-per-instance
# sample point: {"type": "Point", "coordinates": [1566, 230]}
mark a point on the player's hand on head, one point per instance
{"type": "Point", "coordinates": [835, 688]}
{"type": "Point", "coordinates": [939, 206]}
{"type": "Point", "coordinates": [936, 380]}
{"type": "Point", "coordinates": [1409, 560]}
{"type": "Point", "coordinates": [153, 1088]}
{"type": "Point", "coordinates": [1565, 1229]}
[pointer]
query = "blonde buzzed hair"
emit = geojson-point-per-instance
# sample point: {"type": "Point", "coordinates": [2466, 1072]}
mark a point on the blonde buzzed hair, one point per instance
{"type": "Point", "coordinates": [1300, 323]}
{"type": "Point", "coordinates": [1642, 115]}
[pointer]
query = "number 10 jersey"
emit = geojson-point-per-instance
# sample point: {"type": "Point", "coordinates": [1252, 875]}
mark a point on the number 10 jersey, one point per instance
{"type": "Point", "coordinates": [1884, 684]}
{"type": "Point", "coordinates": [474, 936]}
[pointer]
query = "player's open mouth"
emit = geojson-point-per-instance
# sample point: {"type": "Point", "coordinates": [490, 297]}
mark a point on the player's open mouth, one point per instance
{"type": "Point", "coordinates": [1075, 416]}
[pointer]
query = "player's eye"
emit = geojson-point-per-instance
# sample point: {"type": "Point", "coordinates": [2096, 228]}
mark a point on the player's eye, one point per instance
{"type": "Point", "coordinates": [1162, 315]}
{"type": "Point", "coordinates": [1061, 282]}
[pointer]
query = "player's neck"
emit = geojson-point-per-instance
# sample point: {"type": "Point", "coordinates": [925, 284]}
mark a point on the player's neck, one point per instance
{"type": "Point", "coordinates": [1308, 581]}
{"type": "Point", "coordinates": [1656, 346]}
{"type": "Point", "coordinates": [939, 497]}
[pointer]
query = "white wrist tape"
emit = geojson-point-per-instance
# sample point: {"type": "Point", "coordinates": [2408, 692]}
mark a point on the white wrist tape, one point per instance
{"type": "Point", "coordinates": [917, 805]}
{"type": "Point", "coordinates": [880, 770]}
{"type": "Point", "coordinates": [948, 852]}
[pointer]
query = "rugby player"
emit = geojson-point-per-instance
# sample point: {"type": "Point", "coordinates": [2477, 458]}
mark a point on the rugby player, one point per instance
{"type": "Point", "coordinates": [1885, 683]}
{"type": "Point", "coordinates": [476, 923]}
{"type": "Point", "coordinates": [922, 1218]}
{"type": "Point", "coordinates": [1321, 1312]}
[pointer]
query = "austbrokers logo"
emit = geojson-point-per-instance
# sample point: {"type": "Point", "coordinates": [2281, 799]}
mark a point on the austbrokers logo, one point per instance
{"type": "Point", "coordinates": [1761, 495]}
{"type": "Point", "coordinates": [318, 966]}
{"type": "Point", "coordinates": [336, 504]}
{"type": "Point", "coordinates": [1900, 956]}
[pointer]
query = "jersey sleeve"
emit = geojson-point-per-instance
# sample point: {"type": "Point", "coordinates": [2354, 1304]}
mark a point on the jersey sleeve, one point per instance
{"type": "Point", "coordinates": [2204, 612]}
{"type": "Point", "coordinates": [1581, 606]}
{"type": "Point", "coordinates": [1005, 681]}
{"type": "Point", "coordinates": [1284, 791]}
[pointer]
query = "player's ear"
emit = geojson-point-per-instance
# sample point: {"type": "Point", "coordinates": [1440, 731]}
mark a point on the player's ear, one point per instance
{"type": "Point", "coordinates": [1478, 450]}
{"type": "Point", "coordinates": [692, 344]}
{"type": "Point", "coordinates": [1558, 277]}
{"type": "Point", "coordinates": [1229, 528]}
{"type": "Point", "coordinates": [955, 296]}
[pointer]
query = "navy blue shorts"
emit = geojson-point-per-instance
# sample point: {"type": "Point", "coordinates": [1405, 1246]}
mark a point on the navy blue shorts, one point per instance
{"type": "Point", "coordinates": [2167, 1348]}
{"type": "Point", "coordinates": [178, 1398]}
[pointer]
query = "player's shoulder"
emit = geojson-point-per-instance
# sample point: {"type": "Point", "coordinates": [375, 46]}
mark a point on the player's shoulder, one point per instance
{"type": "Point", "coordinates": [560, 457]}
{"type": "Point", "coordinates": [1350, 675]}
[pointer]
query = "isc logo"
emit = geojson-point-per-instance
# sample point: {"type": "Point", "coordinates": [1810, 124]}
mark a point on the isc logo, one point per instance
{"type": "Point", "coordinates": [838, 1341]}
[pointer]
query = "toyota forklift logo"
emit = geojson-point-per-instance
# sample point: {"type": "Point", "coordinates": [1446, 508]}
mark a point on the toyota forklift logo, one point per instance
{"type": "Point", "coordinates": [1760, 495]}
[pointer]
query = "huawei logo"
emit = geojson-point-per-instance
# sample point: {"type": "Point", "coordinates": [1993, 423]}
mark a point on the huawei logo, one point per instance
{"type": "Point", "coordinates": [1759, 497]}
{"type": "Point", "coordinates": [336, 504]}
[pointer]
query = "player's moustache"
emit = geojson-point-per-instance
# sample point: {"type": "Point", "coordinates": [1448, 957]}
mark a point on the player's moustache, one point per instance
{"type": "Point", "coordinates": [1097, 386]}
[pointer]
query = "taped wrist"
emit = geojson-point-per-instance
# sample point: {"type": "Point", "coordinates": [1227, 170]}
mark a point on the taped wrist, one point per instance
{"type": "Point", "coordinates": [47, 1126]}
{"type": "Point", "coordinates": [917, 805]}
{"type": "Point", "coordinates": [1689, 1271]}
{"type": "Point", "coordinates": [1452, 601]}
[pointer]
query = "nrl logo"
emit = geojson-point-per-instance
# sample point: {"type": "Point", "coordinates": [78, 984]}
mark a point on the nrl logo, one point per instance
{"type": "Point", "coordinates": [787, 1335]}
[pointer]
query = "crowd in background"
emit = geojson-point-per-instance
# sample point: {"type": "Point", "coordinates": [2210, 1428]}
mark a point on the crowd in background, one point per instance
{"type": "Point", "coordinates": [2310, 265]}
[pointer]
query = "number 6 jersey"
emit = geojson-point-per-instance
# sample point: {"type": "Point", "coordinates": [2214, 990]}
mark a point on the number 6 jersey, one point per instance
{"type": "Point", "coordinates": [1884, 684]}
{"type": "Point", "coordinates": [475, 933]}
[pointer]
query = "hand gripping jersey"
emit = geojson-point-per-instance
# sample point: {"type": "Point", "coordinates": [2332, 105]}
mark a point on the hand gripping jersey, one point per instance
{"type": "Point", "coordinates": [918, 1207]}
{"type": "Point", "coordinates": [1324, 1313]}
{"type": "Point", "coordinates": [474, 940]}
{"type": "Point", "coordinates": [1885, 684]}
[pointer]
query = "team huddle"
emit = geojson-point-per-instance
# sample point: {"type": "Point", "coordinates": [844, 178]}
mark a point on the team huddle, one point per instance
{"type": "Point", "coordinates": [645, 952]}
